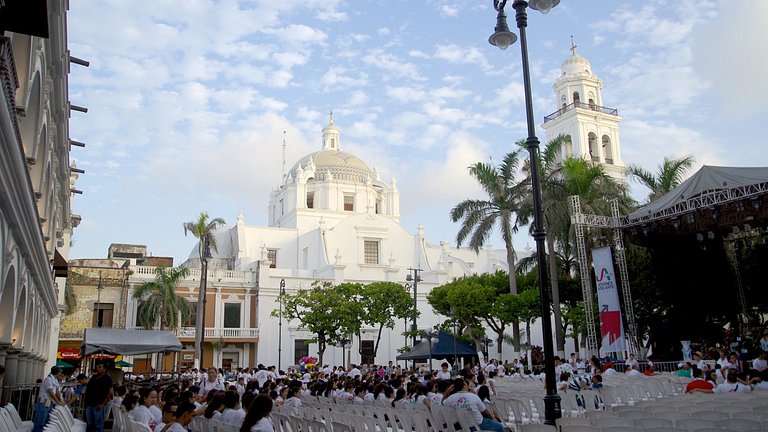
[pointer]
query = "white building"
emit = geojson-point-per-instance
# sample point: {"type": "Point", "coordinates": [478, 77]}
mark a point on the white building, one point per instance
{"type": "Point", "coordinates": [333, 218]}
{"type": "Point", "coordinates": [591, 129]}
{"type": "Point", "coordinates": [36, 185]}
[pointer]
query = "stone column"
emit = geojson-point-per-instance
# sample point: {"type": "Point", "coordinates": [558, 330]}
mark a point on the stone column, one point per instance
{"type": "Point", "coordinates": [11, 371]}
{"type": "Point", "coordinates": [21, 368]}
{"type": "Point", "coordinates": [3, 353]}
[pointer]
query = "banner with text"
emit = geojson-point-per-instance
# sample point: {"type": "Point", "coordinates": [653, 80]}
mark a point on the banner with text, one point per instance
{"type": "Point", "coordinates": [611, 326]}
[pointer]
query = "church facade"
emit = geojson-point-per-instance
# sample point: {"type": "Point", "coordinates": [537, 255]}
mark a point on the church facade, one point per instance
{"type": "Point", "coordinates": [333, 219]}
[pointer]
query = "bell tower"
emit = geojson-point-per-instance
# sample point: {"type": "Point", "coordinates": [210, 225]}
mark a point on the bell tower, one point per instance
{"type": "Point", "coordinates": [591, 129]}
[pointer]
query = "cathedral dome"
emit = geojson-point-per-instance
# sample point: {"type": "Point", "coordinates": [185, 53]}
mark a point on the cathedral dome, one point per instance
{"type": "Point", "coordinates": [576, 64]}
{"type": "Point", "coordinates": [341, 165]}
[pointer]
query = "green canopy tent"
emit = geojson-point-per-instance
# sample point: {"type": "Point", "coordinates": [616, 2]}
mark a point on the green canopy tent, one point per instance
{"type": "Point", "coordinates": [62, 364]}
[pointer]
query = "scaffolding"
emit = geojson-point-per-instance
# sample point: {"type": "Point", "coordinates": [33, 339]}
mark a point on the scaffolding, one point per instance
{"type": "Point", "coordinates": [581, 221]}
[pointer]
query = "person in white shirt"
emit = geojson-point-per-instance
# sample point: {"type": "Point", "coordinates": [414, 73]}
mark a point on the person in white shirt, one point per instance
{"type": "Point", "coordinates": [142, 413]}
{"type": "Point", "coordinates": [490, 367]}
{"type": "Point", "coordinates": [354, 372]}
{"type": "Point", "coordinates": [761, 362]}
{"type": "Point", "coordinates": [184, 414]}
{"type": "Point", "coordinates": [459, 398]}
{"type": "Point", "coordinates": [232, 413]}
{"type": "Point", "coordinates": [257, 419]}
{"type": "Point", "coordinates": [261, 376]}
{"type": "Point", "coordinates": [444, 373]}
{"type": "Point", "coordinates": [212, 382]}
{"type": "Point", "coordinates": [731, 384]}
{"type": "Point", "coordinates": [50, 396]}
{"type": "Point", "coordinates": [294, 400]}
{"type": "Point", "coordinates": [632, 362]}
{"type": "Point", "coordinates": [169, 417]}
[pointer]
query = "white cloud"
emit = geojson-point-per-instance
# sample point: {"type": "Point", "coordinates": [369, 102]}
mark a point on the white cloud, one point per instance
{"type": "Point", "coordinates": [393, 65]}
{"type": "Point", "coordinates": [406, 94]}
{"type": "Point", "coordinates": [460, 55]}
{"type": "Point", "coordinates": [298, 35]}
{"type": "Point", "coordinates": [730, 51]}
{"type": "Point", "coordinates": [449, 10]}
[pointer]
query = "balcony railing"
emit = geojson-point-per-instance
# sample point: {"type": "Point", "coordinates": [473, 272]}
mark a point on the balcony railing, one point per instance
{"type": "Point", "coordinates": [216, 275]}
{"type": "Point", "coordinates": [592, 107]}
{"type": "Point", "coordinates": [215, 332]}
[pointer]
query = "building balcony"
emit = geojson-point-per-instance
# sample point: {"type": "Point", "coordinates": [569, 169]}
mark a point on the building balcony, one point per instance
{"type": "Point", "coordinates": [581, 105]}
{"type": "Point", "coordinates": [215, 275]}
{"type": "Point", "coordinates": [215, 333]}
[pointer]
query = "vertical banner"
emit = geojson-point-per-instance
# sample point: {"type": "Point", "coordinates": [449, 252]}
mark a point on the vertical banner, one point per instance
{"type": "Point", "coordinates": [611, 326]}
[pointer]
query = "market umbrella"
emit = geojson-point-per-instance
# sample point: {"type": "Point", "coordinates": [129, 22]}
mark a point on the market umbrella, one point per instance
{"type": "Point", "coordinates": [63, 364]}
{"type": "Point", "coordinates": [123, 364]}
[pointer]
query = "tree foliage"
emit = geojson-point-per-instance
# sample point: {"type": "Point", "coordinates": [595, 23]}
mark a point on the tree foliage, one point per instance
{"type": "Point", "coordinates": [161, 301]}
{"type": "Point", "coordinates": [336, 312]}
{"type": "Point", "coordinates": [669, 174]}
{"type": "Point", "coordinates": [381, 303]}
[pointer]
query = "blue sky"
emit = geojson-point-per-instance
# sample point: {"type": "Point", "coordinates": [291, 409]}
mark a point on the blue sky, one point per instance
{"type": "Point", "coordinates": [189, 100]}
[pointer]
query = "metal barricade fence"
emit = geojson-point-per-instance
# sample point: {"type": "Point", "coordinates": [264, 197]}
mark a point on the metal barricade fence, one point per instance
{"type": "Point", "coordinates": [23, 397]}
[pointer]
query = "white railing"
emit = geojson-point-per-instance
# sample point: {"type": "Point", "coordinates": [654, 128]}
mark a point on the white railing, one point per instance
{"type": "Point", "coordinates": [213, 332]}
{"type": "Point", "coordinates": [195, 274]}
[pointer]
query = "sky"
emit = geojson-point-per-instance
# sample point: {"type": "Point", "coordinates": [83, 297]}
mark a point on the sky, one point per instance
{"type": "Point", "coordinates": [188, 101]}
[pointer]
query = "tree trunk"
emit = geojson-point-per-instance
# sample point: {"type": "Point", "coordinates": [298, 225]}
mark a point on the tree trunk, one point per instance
{"type": "Point", "coordinates": [513, 290]}
{"type": "Point", "coordinates": [559, 338]}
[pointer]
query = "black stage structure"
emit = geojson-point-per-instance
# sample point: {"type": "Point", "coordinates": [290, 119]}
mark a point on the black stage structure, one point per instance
{"type": "Point", "coordinates": [707, 243]}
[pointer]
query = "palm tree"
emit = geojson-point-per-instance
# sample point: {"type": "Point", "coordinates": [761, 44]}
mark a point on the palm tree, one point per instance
{"type": "Point", "coordinates": [479, 217]}
{"type": "Point", "coordinates": [560, 179]}
{"type": "Point", "coordinates": [160, 299]}
{"type": "Point", "coordinates": [669, 175]}
{"type": "Point", "coordinates": [202, 229]}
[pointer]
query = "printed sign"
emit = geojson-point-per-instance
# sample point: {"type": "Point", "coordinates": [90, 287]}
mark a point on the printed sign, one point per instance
{"type": "Point", "coordinates": [611, 326]}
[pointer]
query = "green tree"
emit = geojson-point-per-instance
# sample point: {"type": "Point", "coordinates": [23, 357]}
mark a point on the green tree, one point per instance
{"type": "Point", "coordinates": [479, 217]}
{"type": "Point", "coordinates": [668, 175]}
{"type": "Point", "coordinates": [380, 304]}
{"type": "Point", "coordinates": [328, 311]}
{"type": "Point", "coordinates": [161, 301]}
{"type": "Point", "coordinates": [203, 229]}
{"type": "Point", "coordinates": [476, 300]}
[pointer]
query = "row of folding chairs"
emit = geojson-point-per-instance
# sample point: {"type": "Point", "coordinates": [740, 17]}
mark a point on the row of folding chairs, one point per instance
{"type": "Point", "coordinates": [62, 420]}
{"type": "Point", "coordinates": [10, 420]}
{"type": "Point", "coordinates": [373, 419]}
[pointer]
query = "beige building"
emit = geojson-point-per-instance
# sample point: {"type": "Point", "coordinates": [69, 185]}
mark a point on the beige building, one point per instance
{"type": "Point", "coordinates": [96, 295]}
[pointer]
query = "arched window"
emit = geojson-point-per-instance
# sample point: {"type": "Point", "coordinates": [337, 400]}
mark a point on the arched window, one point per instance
{"type": "Point", "coordinates": [607, 149]}
{"type": "Point", "coordinates": [568, 146]}
{"type": "Point", "coordinates": [594, 152]}
{"type": "Point", "coordinates": [576, 98]}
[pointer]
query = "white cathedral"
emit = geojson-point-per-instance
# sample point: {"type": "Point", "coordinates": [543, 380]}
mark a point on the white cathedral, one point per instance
{"type": "Point", "coordinates": [333, 218]}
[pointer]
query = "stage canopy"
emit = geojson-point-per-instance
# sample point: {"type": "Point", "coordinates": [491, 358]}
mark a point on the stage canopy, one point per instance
{"type": "Point", "coordinates": [713, 201]}
{"type": "Point", "coordinates": [444, 348]}
{"type": "Point", "coordinates": [129, 342]}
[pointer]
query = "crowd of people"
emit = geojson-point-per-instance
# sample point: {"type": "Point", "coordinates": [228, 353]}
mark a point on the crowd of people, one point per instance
{"type": "Point", "coordinates": [245, 397]}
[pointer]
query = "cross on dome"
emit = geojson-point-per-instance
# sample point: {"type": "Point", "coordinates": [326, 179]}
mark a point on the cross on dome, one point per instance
{"type": "Point", "coordinates": [573, 46]}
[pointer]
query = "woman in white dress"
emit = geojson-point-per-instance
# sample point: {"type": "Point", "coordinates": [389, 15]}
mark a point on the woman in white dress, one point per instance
{"type": "Point", "coordinates": [142, 413]}
{"type": "Point", "coordinates": [257, 419]}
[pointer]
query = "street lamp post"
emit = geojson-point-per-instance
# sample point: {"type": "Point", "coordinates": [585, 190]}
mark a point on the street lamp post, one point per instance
{"type": "Point", "coordinates": [502, 38]}
{"type": "Point", "coordinates": [98, 302]}
{"type": "Point", "coordinates": [414, 275]}
{"type": "Point", "coordinates": [343, 344]}
{"type": "Point", "coordinates": [431, 336]}
{"type": "Point", "coordinates": [280, 328]}
{"type": "Point", "coordinates": [488, 343]}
